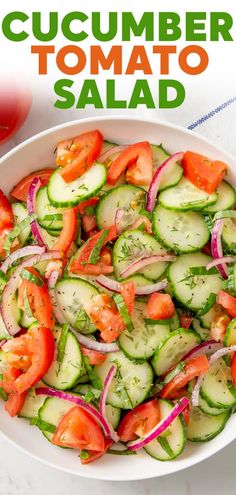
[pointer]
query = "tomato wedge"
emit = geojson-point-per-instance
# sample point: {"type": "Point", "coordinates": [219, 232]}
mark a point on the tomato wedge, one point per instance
{"type": "Point", "coordinates": [103, 313]}
{"type": "Point", "coordinates": [93, 455]}
{"type": "Point", "coordinates": [233, 369]}
{"type": "Point", "coordinates": [127, 290]}
{"type": "Point", "coordinates": [138, 159]}
{"type": "Point", "coordinates": [8, 380]}
{"type": "Point", "coordinates": [88, 222]}
{"type": "Point", "coordinates": [160, 306]}
{"type": "Point", "coordinates": [68, 232]}
{"type": "Point", "coordinates": [218, 327]}
{"type": "Point", "coordinates": [139, 421]}
{"type": "Point", "coordinates": [39, 299]}
{"type": "Point", "coordinates": [228, 302]}
{"type": "Point", "coordinates": [82, 264]}
{"type": "Point", "coordinates": [76, 155]}
{"type": "Point", "coordinates": [92, 202]}
{"type": "Point", "coordinates": [193, 368]}
{"type": "Point", "coordinates": [15, 403]}
{"type": "Point", "coordinates": [20, 191]}
{"type": "Point", "coordinates": [78, 430]}
{"type": "Point", "coordinates": [95, 357]}
{"type": "Point", "coordinates": [38, 344]}
{"type": "Point", "coordinates": [185, 321]}
{"type": "Point", "coordinates": [204, 173]}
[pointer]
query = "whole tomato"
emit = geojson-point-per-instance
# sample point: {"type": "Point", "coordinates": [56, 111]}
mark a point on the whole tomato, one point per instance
{"type": "Point", "coordinates": [15, 103]}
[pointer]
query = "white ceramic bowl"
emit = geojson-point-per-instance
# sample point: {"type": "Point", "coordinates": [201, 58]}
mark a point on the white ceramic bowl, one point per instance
{"type": "Point", "coordinates": [37, 153]}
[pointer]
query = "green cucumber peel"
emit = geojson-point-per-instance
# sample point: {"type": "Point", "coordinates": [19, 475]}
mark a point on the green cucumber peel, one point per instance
{"type": "Point", "coordinates": [122, 308]}
{"type": "Point", "coordinates": [62, 342]}
{"type": "Point", "coordinates": [94, 255]}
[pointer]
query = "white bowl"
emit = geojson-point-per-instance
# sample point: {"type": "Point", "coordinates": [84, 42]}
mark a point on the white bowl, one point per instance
{"type": "Point", "coordinates": [37, 153]}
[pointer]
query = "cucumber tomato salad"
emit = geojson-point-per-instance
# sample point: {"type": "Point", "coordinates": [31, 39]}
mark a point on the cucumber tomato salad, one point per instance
{"type": "Point", "coordinates": [118, 299]}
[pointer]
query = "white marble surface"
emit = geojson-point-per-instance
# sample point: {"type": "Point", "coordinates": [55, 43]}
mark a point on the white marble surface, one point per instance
{"type": "Point", "coordinates": [21, 475]}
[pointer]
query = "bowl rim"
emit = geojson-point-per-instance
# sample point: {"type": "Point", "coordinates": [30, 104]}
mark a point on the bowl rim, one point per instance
{"type": "Point", "coordinates": [96, 119]}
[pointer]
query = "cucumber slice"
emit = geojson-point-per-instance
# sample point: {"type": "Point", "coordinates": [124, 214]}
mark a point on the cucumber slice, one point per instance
{"type": "Point", "coordinates": [226, 198]}
{"type": "Point", "coordinates": [207, 318]}
{"type": "Point", "coordinates": [20, 212]}
{"type": "Point", "coordinates": [185, 196]}
{"type": "Point", "coordinates": [143, 340]}
{"type": "Point", "coordinates": [229, 235]}
{"type": "Point", "coordinates": [72, 294]}
{"type": "Point", "coordinates": [212, 411]}
{"type": "Point", "coordinates": [51, 412]}
{"type": "Point", "coordinates": [192, 290]}
{"type": "Point", "coordinates": [230, 283]}
{"type": "Point", "coordinates": [203, 332]}
{"type": "Point", "coordinates": [183, 232]}
{"type": "Point", "coordinates": [139, 280]}
{"type": "Point", "coordinates": [203, 427]}
{"type": "Point", "coordinates": [112, 413]}
{"type": "Point", "coordinates": [174, 174]}
{"type": "Point", "coordinates": [31, 406]}
{"type": "Point", "coordinates": [132, 382]}
{"type": "Point", "coordinates": [132, 245]}
{"type": "Point", "coordinates": [173, 348]}
{"type": "Point", "coordinates": [169, 446]}
{"type": "Point", "coordinates": [130, 198]}
{"type": "Point", "coordinates": [63, 375]}
{"type": "Point", "coordinates": [64, 194]}
{"type": "Point", "coordinates": [175, 324]}
{"type": "Point", "coordinates": [27, 321]}
{"type": "Point", "coordinates": [49, 217]}
{"type": "Point", "coordinates": [230, 336]}
{"type": "Point", "coordinates": [217, 387]}
{"type": "Point", "coordinates": [17, 314]}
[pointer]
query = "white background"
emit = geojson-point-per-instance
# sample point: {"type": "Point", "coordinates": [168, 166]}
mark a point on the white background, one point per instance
{"type": "Point", "coordinates": [19, 475]}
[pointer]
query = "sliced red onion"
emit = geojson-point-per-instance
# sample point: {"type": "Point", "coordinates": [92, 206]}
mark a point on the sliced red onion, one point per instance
{"type": "Point", "coordinates": [145, 261]}
{"type": "Point", "coordinates": [31, 206]}
{"type": "Point", "coordinates": [21, 253]}
{"type": "Point", "coordinates": [157, 178]}
{"type": "Point", "coordinates": [208, 347]}
{"type": "Point", "coordinates": [110, 152]}
{"type": "Point", "coordinates": [216, 246]}
{"type": "Point", "coordinates": [217, 355]}
{"type": "Point", "coordinates": [52, 280]}
{"type": "Point", "coordinates": [144, 290]}
{"type": "Point", "coordinates": [52, 292]}
{"type": "Point", "coordinates": [94, 344]}
{"type": "Point", "coordinates": [118, 220]}
{"type": "Point", "coordinates": [160, 427]}
{"type": "Point", "coordinates": [102, 404]}
{"type": "Point", "coordinates": [51, 392]}
{"type": "Point", "coordinates": [2, 342]}
{"type": "Point", "coordinates": [11, 287]}
{"type": "Point", "coordinates": [220, 261]}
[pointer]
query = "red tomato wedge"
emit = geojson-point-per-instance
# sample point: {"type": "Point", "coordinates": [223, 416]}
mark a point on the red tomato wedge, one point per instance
{"type": "Point", "coordinates": [8, 380]}
{"type": "Point", "coordinates": [127, 290]}
{"type": "Point", "coordinates": [204, 173]}
{"type": "Point", "coordinates": [68, 232]}
{"type": "Point", "coordinates": [233, 369]}
{"type": "Point", "coordinates": [228, 302]}
{"type": "Point", "coordinates": [160, 306]}
{"type": "Point", "coordinates": [78, 154]}
{"type": "Point", "coordinates": [138, 159]}
{"type": "Point", "coordinates": [103, 313]}
{"type": "Point", "coordinates": [15, 403]}
{"type": "Point", "coordinates": [193, 368]}
{"type": "Point", "coordinates": [78, 430]}
{"type": "Point", "coordinates": [95, 357]}
{"type": "Point", "coordinates": [20, 191]}
{"type": "Point", "coordinates": [40, 349]}
{"type": "Point", "coordinates": [185, 321]}
{"type": "Point", "coordinates": [88, 222]}
{"type": "Point", "coordinates": [81, 264]}
{"type": "Point", "coordinates": [39, 299]}
{"type": "Point", "coordinates": [81, 208]}
{"type": "Point", "coordinates": [93, 455]}
{"type": "Point", "coordinates": [139, 421]}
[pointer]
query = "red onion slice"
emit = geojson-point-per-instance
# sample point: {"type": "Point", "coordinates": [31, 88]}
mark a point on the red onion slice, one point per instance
{"type": "Point", "coordinates": [102, 404]}
{"type": "Point", "coordinates": [21, 253]}
{"type": "Point", "coordinates": [220, 261]}
{"type": "Point", "coordinates": [94, 345]}
{"type": "Point", "coordinates": [160, 427]}
{"type": "Point", "coordinates": [144, 290]}
{"type": "Point", "coordinates": [118, 220]}
{"type": "Point", "coordinates": [217, 355]}
{"type": "Point", "coordinates": [11, 287]}
{"type": "Point", "coordinates": [216, 246]}
{"type": "Point", "coordinates": [145, 261]}
{"type": "Point", "coordinates": [51, 392]}
{"type": "Point", "coordinates": [111, 151]}
{"type": "Point", "coordinates": [31, 206]}
{"type": "Point", "coordinates": [208, 347]}
{"type": "Point", "coordinates": [157, 178]}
